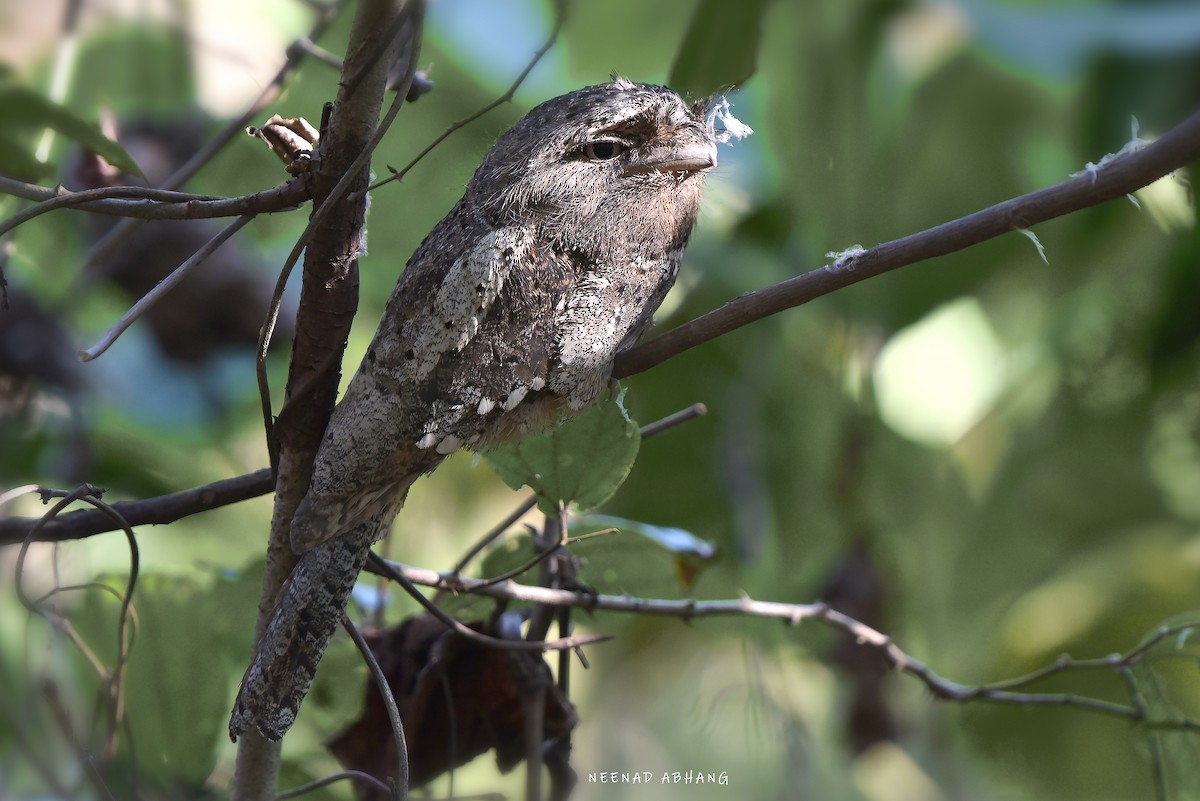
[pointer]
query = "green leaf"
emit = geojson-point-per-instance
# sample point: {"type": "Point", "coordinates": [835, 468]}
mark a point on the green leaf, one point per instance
{"type": "Point", "coordinates": [690, 553]}
{"type": "Point", "coordinates": [191, 644]}
{"type": "Point", "coordinates": [1166, 684]}
{"type": "Point", "coordinates": [720, 49]}
{"type": "Point", "coordinates": [26, 111]}
{"type": "Point", "coordinates": [581, 462]}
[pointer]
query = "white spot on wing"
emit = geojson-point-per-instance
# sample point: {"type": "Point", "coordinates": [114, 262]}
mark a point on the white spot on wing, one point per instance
{"type": "Point", "coordinates": [515, 397]}
{"type": "Point", "coordinates": [449, 445]}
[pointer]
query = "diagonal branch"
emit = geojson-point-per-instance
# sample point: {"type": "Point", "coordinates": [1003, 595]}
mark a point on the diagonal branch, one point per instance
{"type": "Point", "coordinates": [1175, 149]}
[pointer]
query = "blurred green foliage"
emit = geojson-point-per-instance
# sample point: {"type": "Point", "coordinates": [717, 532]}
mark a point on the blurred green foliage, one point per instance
{"type": "Point", "coordinates": [27, 114]}
{"type": "Point", "coordinates": [1061, 514]}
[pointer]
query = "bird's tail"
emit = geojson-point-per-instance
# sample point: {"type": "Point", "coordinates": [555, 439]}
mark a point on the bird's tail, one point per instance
{"type": "Point", "coordinates": [306, 615]}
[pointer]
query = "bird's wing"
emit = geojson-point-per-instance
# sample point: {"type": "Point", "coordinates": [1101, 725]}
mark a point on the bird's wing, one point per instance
{"type": "Point", "coordinates": [394, 422]}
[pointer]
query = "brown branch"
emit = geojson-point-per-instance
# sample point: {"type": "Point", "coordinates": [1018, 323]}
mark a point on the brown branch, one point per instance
{"type": "Point", "coordinates": [1175, 149]}
{"type": "Point", "coordinates": [315, 375]}
{"type": "Point", "coordinates": [151, 204]}
{"type": "Point", "coordinates": [152, 511]}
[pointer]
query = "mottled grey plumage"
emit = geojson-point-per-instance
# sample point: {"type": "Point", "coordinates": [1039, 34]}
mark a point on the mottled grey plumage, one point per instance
{"type": "Point", "coordinates": [506, 320]}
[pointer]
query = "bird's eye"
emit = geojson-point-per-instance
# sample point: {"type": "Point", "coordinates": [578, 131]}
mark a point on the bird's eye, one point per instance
{"type": "Point", "coordinates": [603, 150]}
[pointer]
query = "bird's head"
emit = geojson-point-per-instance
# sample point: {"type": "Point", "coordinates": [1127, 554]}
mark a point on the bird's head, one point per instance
{"type": "Point", "coordinates": [617, 166]}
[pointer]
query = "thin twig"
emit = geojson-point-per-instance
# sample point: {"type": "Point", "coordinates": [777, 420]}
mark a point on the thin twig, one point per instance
{"type": "Point", "coordinates": [113, 680]}
{"type": "Point", "coordinates": [164, 286]}
{"type": "Point", "coordinates": [1153, 739]}
{"type": "Point", "coordinates": [60, 198]}
{"type": "Point", "coordinates": [537, 559]}
{"type": "Point", "coordinates": [495, 533]}
{"type": "Point", "coordinates": [325, 781]}
{"type": "Point", "coordinates": [1173, 150]}
{"type": "Point", "coordinates": [1111, 662]}
{"type": "Point", "coordinates": [670, 421]}
{"type": "Point", "coordinates": [112, 685]}
{"type": "Point", "coordinates": [604, 532]}
{"type": "Point", "coordinates": [313, 49]}
{"type": "Point", "coordinates": [16, 492]}
{"type": "Point", "coordinates": [793, 614]}
{"type": "Point", "coordinates": [96, 585]}
{"type": "Point", "coordinates": [151, 204]}
{"type": "Point", "coordinates": [559, 20]}
{"type": "Point", "coordinates": [66, 501]}
{"type": "Point", "coordinates": [124, 634]}
{"type": "Point", "coordinates": [400, 788]}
